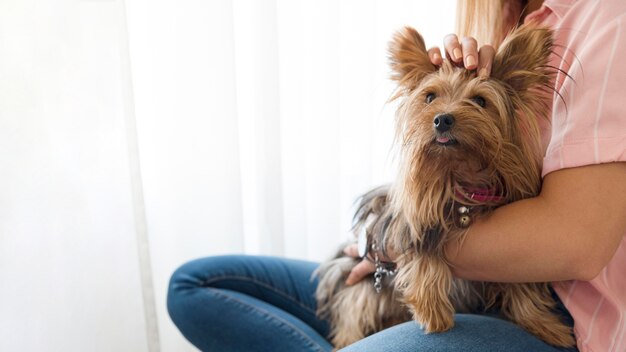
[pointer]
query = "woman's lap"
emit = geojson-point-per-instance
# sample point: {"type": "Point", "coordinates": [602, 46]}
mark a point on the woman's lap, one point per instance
{"type": "Point", "coordinates": [232, 303]}
{"type": "Point", "coordinates": [471, 333]}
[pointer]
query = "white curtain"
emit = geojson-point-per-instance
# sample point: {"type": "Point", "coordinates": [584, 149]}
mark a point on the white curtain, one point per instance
{"type": "Point", "coordinates": [136, 135]}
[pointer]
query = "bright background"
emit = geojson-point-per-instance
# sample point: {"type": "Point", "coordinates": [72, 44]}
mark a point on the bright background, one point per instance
{"type": "Point", "coordinates": [136, 135]}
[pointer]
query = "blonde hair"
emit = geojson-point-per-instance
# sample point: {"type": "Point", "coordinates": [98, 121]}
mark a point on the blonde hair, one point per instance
{"type": "Point", "coordinates": [481, 19]}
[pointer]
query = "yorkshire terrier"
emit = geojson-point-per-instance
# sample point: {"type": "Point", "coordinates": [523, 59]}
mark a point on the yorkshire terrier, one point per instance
{"type": "Point", "coordinates": [468, 144]}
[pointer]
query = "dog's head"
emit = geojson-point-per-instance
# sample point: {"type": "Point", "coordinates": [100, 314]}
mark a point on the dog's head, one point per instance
{"type": "Point", "coordinates": [458, 130]}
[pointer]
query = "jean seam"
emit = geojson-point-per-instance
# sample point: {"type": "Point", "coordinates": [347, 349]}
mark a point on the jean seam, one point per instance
{"type": "Point", "coordinates": [260, 283]}
{"type": "Point", "coordinates": [303, 336]}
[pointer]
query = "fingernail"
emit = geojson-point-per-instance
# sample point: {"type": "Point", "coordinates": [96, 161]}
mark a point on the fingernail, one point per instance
{"type": "Point", "coordinates": [349, 281]}
{"type": "Point", "coordinates": [436, 57]}
{"type": "Point", "coordinates": [457, 54]}
{"type": "Point", "coordinates": [482, 72]}
{"type": "Point", "coordinates": [470, 61]}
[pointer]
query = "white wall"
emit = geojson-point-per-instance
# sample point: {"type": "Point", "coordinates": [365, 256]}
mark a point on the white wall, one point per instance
{"type": "Point", "coordinates": [137, 135]}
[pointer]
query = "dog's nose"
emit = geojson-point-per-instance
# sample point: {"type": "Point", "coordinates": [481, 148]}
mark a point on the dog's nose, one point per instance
{"type": "Point", "coordinates": [443, 122]}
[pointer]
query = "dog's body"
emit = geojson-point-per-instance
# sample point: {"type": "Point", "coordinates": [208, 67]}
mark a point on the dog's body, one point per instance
{"type": "Point", "coordinates": [358, 311]}
{"type": "Point", "coordinates": [468, 145]}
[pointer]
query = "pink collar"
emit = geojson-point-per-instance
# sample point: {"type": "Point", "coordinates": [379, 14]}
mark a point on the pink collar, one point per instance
{"type": "Point", "coordinates": [478, 195]}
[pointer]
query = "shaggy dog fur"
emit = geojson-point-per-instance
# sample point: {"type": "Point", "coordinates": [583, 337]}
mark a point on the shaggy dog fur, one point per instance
{"type": "Point", "coordinates": [488, 154]}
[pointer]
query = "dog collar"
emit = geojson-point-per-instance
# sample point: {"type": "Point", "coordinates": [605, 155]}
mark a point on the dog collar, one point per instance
{"type": "Point", "coordinates": [479, 195]}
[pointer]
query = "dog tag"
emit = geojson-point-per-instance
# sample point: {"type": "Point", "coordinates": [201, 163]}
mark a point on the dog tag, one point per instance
{"type": "Point", "coordinates": [465, 220]}
{"type": "Point", "coordinates": [361, 243]}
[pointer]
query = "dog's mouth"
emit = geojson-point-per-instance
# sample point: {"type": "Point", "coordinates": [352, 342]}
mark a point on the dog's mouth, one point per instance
{"type": "Point", "coordinates": [445, 140]}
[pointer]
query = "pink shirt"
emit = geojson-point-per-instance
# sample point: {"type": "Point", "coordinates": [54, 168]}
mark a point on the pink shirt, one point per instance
{"type": "Point", "coordinates": [591, 131]}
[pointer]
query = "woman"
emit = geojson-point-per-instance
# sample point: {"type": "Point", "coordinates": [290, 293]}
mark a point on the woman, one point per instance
{"type": "Point", "coordinates": [572, 233]}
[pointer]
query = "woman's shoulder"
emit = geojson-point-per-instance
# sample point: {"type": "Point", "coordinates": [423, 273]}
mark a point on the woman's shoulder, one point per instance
{"type": "Point", "coordinates": [588, 124]}
{"type": "Point", "coordinates": [587, 16]}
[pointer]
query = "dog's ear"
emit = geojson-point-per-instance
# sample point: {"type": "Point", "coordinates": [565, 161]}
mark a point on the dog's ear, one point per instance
{"type": "Point", "coordinates": [522, 59]}
{"type": "Point", "coordinates": [408, 58]}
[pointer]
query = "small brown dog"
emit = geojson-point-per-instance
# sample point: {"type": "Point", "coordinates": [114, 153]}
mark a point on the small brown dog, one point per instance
{"type": "Point", "coordinates": [468, 145]}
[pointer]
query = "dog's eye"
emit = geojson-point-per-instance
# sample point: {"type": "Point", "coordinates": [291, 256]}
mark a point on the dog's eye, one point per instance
{"type": "Point", "coordinates": [479, 100]}
{"type": "Point", "coordinates": [430, 97]}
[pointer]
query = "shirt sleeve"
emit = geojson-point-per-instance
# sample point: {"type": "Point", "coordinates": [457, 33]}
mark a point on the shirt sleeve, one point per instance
{"type": "Point", "coordinates": [589, 121]}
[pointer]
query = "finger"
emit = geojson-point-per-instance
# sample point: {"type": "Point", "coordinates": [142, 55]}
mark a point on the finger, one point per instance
{"type": "Point", "coordinates": [359, 271]}
{"type": "Point", "coordinates": [453, 48]}
{"type": "Point", "coordinates": [470, 52]}
{"type": "Point", "coordinates": [485, 60]}
{"type": "Point", "coordinates": [351, 250]}
{"type": "Point", "coordinates": [435, 56]}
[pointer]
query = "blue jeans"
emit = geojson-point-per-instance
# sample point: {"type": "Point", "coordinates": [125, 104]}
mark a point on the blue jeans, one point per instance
{"type": "Point", "coordinates": [253, 303]}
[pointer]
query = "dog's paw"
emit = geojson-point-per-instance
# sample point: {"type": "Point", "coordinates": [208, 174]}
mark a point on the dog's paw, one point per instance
{"type": "Point", "coordinates": [555, 333]}
{"type": "Point", "coordinates": [434, 321]}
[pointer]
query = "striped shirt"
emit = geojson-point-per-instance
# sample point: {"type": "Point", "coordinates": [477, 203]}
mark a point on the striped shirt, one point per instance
{"type": "Point", "coordinates": [589, 127]}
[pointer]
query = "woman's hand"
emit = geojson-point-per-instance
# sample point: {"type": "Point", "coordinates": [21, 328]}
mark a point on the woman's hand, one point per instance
{"type": "Point", "coordinates": [366, 266]}
{"type": "Point", "coordinates": [465, 54]}
{"type": "Point", "coordinates": [361, 270]}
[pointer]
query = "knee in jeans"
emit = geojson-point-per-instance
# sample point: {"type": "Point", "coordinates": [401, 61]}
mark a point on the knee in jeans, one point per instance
{"type": "Point", "coordinates": [183, 278]}
{"type": "Point", "coordinates": [193, 275]}
{"type": "Point", "coordinates": [182, 283]}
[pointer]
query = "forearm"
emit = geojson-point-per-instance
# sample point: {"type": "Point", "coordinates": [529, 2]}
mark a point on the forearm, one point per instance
{"type": "Point", "coordinates": [518, 243]}
{"type": "Point", "coordinates": [570, 231]}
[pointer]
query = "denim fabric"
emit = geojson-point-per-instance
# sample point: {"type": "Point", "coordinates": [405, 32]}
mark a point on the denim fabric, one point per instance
{"type": "Point", "coordinates": [471, 333]}
{"type": "Point", "coordinates": [246, 303]}
{"type": "Point", "coordinates": [253, 303]}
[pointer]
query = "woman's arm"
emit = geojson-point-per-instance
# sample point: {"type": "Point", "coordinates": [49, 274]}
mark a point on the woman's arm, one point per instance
{"type": "Point", "coordinates": [570, 231]}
